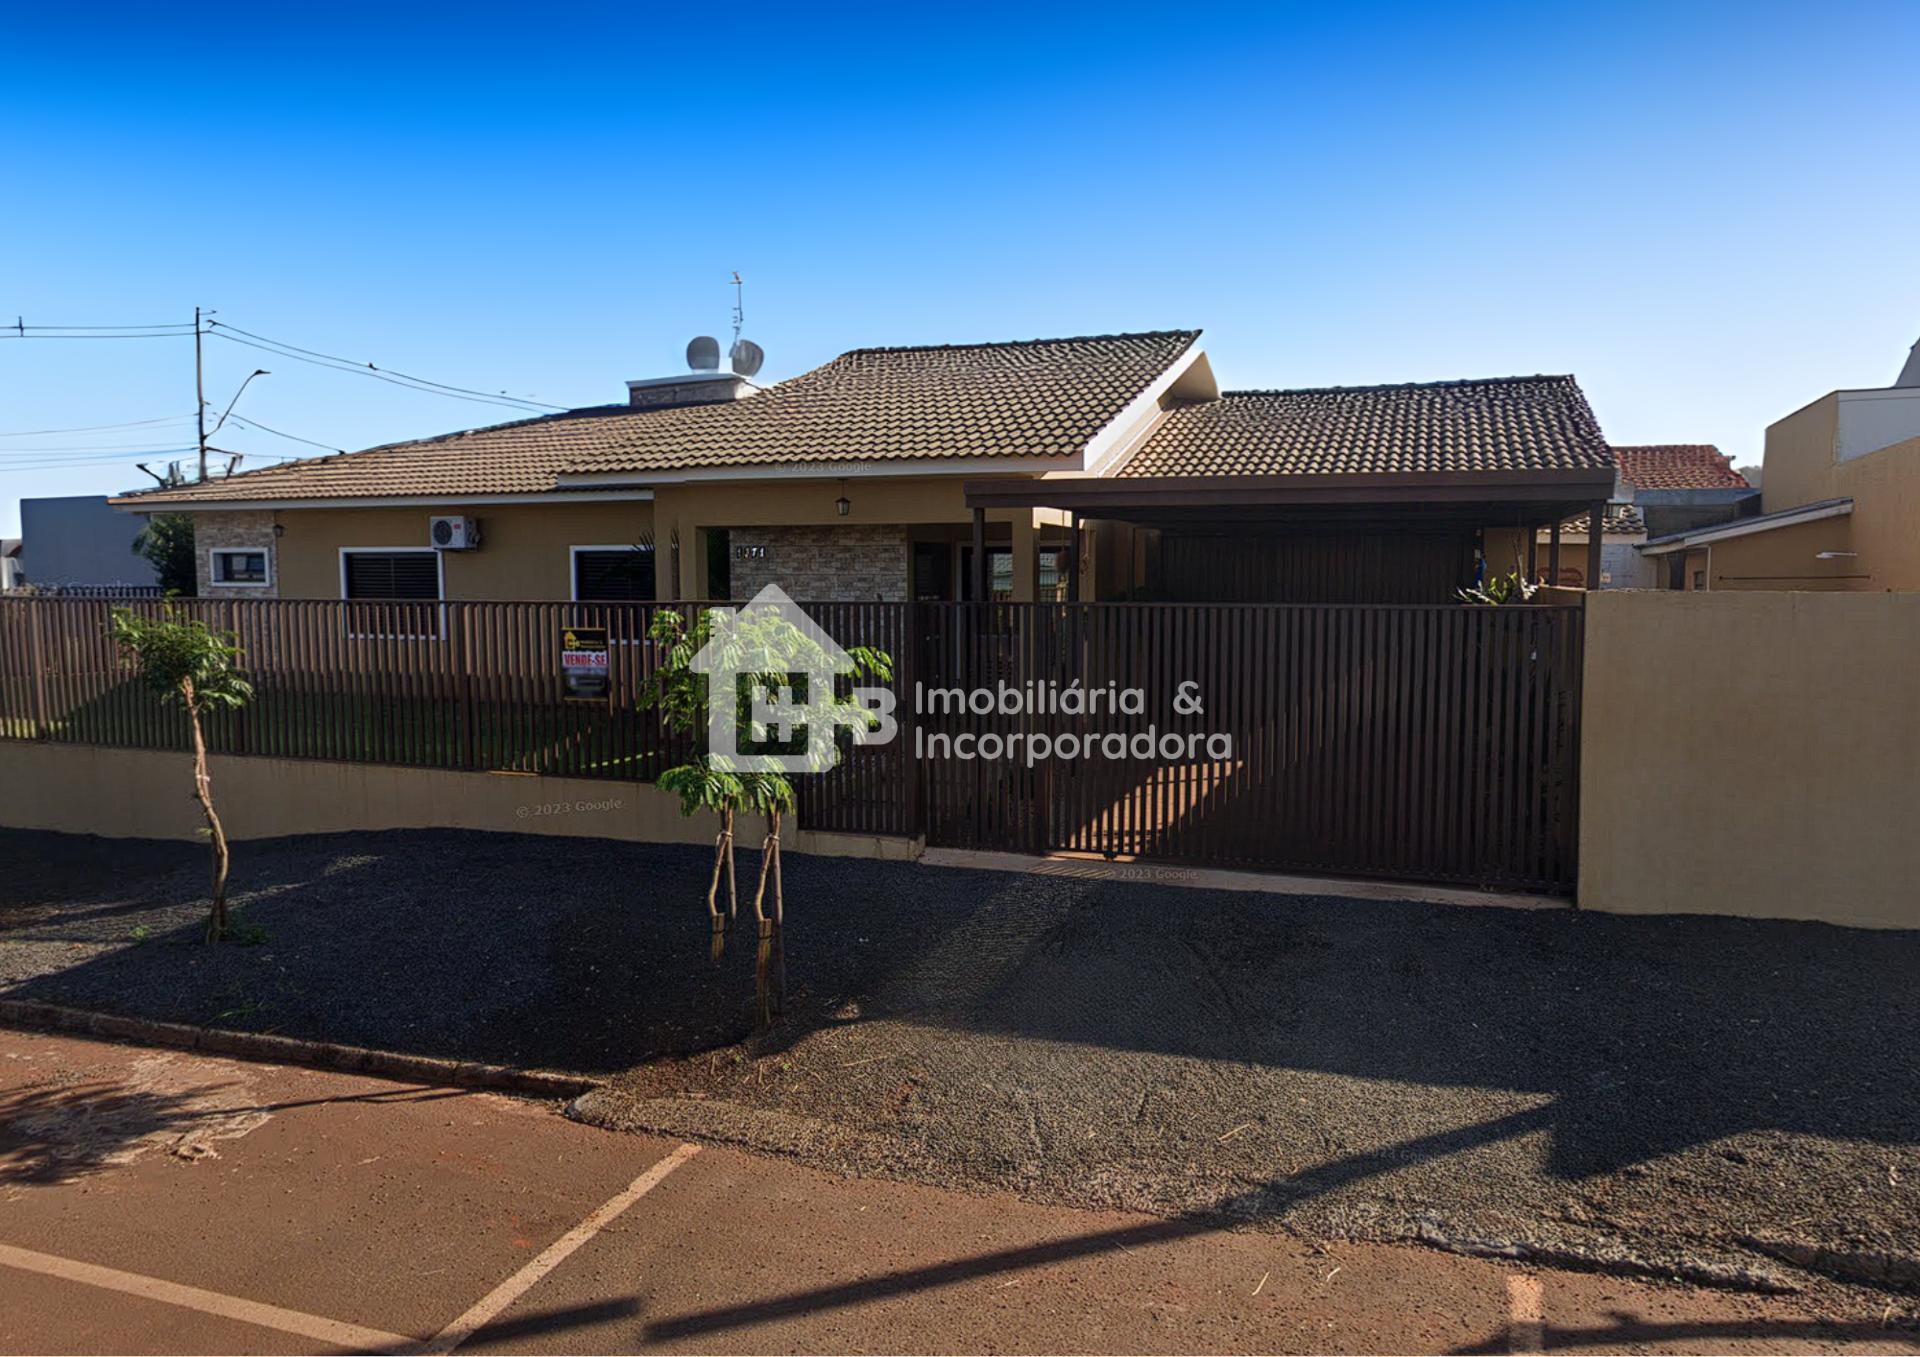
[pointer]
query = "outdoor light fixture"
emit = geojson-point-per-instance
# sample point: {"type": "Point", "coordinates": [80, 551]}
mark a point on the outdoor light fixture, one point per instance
{"type": "Point", "coordinates": [843, 506]}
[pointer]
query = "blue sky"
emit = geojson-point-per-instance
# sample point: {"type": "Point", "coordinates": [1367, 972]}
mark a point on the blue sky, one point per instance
{"type": "Point", "coordinates": [1705, 213]}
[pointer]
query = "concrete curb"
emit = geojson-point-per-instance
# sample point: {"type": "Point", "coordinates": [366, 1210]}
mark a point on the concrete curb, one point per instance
{"type": "Point", "coordinates": [294, 1051]}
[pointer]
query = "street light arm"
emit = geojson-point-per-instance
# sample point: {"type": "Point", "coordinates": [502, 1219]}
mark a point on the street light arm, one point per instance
{"type": "Point", "coordinates": [257, 372]}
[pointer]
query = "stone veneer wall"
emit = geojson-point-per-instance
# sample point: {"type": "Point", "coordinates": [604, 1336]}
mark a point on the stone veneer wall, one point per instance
{"type": "Point", "coordinates": [251, 528]}
{"type": "Point", "coordinates": [839, 563]}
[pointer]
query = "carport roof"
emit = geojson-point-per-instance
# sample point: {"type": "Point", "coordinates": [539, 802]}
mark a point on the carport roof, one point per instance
{"type": "Point", "coordinates": [1503, 450]}
{"type": "Point", "coordinates": [1489, 425]}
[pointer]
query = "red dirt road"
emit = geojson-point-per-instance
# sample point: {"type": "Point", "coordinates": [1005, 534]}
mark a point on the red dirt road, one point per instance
{"type": "Point", "coordinates": [161, 1201]}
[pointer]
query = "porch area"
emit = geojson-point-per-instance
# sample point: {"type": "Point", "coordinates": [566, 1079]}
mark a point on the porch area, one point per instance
{"type": "Point", "coordinates": [1328, 539]}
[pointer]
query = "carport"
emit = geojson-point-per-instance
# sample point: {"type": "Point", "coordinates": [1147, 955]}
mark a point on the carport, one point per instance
{"type": "Point", "coordinates": [1314, 538]}
{"type": "Point", "coordinates": [1370, 494]}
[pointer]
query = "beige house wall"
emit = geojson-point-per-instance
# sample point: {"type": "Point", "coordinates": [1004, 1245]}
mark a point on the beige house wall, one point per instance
{"type": "Point", "coordinates": [523, 552]}
{"type": "Point", "coordinates": [133, 793]}
{"type": "Point", "coordinates": [524, 547]}
{"type": "Point", "coordinates": [1801, 467]}
{"type": "Point", "coordinates": [919, 504]}
{"type": "Point", "coordinates": [1797, 466]}
{"type": "Point", "coordinates": [1885, 489]}
{"type": "Point", "coordinates": [1781, 558]}
{"type": "Point", "coordinates": [1752, 753]}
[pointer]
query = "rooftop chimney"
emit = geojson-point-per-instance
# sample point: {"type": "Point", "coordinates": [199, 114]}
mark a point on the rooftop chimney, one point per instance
{"type": "Point", "coordinates": [691, 388]}
{"type": "Point", "coordinates": [705, 384]}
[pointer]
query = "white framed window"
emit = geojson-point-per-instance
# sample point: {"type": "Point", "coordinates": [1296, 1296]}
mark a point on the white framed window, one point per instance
{"type": "Point", "coordinates": [407, 582]}
{"type": "Point", "coordinates": [240, 567]}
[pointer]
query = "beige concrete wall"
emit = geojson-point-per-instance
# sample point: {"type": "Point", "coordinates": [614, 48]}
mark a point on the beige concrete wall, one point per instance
{"type": "Point", "coordinates": [1783, 558]}
{"type": "Point", "coordinates": [129, 793]}
{"type": "Point", "coordinates": [523, 552]}
{"type": "Point", "coordinates": [1797, 466]}
{"type": "Point", "coordinates": [1801, 467]}
{"type": "Point", "coordinates": [1753, 754]}
{"type": "Point", "coordinates": [1885, 489]}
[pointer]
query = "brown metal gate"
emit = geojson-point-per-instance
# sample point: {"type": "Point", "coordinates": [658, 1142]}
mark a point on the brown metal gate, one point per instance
{"type": "Point", "coordinates": [1431, 742]}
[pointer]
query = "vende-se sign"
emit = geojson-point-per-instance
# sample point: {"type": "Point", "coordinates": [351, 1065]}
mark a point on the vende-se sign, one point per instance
{"type": "Point", "coordinates": [583, 662]}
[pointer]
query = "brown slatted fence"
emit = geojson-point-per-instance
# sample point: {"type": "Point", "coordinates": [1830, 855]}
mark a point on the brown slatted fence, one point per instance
{"type": "Point", "coordinates": [1435, 742]}
{"type": "Point", "coordinates": [1431, 742]}
{"type": "Point", "coordinates": [435, 685]}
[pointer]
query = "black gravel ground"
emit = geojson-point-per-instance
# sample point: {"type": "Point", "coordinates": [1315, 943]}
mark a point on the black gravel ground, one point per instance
{"type": "Point", "coordinates": [1710, 1097]}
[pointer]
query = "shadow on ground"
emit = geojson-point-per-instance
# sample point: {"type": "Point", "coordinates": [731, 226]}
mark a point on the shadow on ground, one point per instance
{"type": "Point", "coordinates": [69, 1127]}
{"type": "Point", "coordinates": [1674, 1088]}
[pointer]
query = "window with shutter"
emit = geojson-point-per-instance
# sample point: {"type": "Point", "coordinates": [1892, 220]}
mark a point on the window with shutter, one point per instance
{"type": "Point", "coordinates": [376, 577]}
{"type": "Point", "coordinates": [613, 575]}
{"type": "Point", "coordinates": [392, 575]}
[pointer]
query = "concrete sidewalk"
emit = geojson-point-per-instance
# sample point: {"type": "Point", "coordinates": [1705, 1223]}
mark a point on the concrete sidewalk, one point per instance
{"type": "Point", "coordinates": [159, 1201]}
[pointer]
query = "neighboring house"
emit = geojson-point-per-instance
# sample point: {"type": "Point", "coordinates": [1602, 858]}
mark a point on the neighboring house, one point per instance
{"type": "Point", "coordinates": [11, 576]}
{"type": "Point", "coordinates": [81, 541]}
{"type": "Point", "coordinates": [930, 473]}
{"type": "Point", "coordinates": [1677, 486]}
{"type": "Point", "coordinates": [1621, 567]}
{"type": "Point", "coordinates": [1840, 502]}
{"type": "Point", "coordinates": [1663, 488]}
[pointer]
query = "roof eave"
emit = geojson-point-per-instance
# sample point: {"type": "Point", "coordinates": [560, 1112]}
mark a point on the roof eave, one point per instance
{"type": "Point", "coordinates": [143, 503]}
{"type": "Point", "coordinates": [850, 468]}
{"type": "Point", "coordinates": [1321, 488]}
{"type": "Point", "coordinates": [1743, 527]}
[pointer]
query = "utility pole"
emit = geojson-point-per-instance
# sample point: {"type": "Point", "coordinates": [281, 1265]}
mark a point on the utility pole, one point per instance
{"type": "Point", "coordinates": [199, 395]}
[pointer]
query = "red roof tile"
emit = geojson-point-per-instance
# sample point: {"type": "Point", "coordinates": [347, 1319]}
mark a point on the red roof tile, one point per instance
{"type": "Point", "coordinates": [1678, 466]}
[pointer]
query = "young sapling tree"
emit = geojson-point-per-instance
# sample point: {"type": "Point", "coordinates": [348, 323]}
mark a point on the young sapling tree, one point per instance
{"type": "Point", "coordinates": [192, 667]}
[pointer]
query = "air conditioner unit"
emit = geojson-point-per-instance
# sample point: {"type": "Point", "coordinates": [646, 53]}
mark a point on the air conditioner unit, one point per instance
{"type": "Point", "coordinates": [454, 534]}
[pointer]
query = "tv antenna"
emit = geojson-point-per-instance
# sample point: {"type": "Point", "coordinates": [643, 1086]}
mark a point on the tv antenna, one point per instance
{"type": "Point", "coordinates": [745, 355]}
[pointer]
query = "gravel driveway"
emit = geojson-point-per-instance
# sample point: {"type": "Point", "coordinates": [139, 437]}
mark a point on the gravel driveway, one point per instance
{"type": "Point", "coordinates": [1712, 1097]}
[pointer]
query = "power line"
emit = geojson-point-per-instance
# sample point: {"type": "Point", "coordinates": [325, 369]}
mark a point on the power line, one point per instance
{"type": "Point", "coordinates": [157, 325]}
{"type": "Point", "coordinates": [39, 459]}
{"type": "Point", "coordinates": [253, 456]}
{"type": "Point", "coordinates": [87, 463]}
{"type": "Point", "coordinates": [442, 386]}
{"type": "Point", "coordinates": [87, 450]}
{"type": "Point", "coordinates": [279, 347]}
{"type": "Point", "coordinates": [256, 424]}
{"type": "Point", "coordinates": [11, 333]}
{"type": "Point", "coordinates": [508, 403]}
{"type": "Point", "coordinates": [228, 332]}
{"type": "Point", "coordinates": [44, 454]}
{"type": "Point", "coordinates": [96, 428]}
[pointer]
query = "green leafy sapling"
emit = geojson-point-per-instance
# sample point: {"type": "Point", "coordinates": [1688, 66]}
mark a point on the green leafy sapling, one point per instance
{"type": "Point", "coordinates": [715, 783]}
{"type": "Point", "coordinates": [192, 667]}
